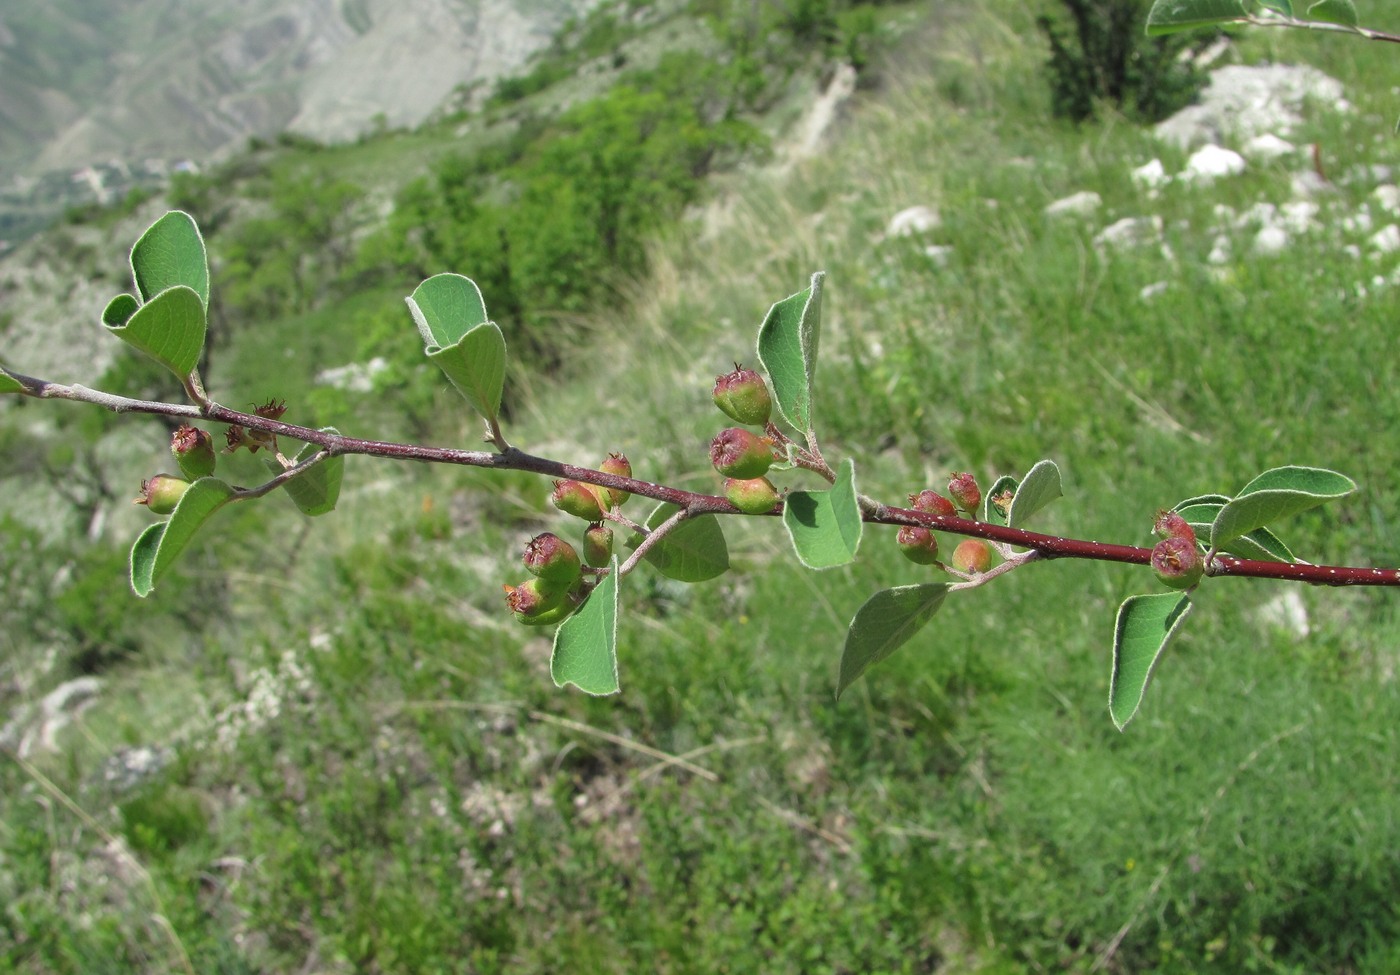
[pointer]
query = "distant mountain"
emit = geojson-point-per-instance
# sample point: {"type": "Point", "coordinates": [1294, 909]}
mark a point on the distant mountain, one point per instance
{"type": "Point", "coordinates": [85, 81]}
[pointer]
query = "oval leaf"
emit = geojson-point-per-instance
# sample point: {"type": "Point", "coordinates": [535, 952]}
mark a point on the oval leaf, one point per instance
{"type": "Point", "coordinates": [992, 513]}
{"type": "Point", "coordinates": [159, 546]}
{"type": "Point", "coordinates": [476, 365]}
{"type": "Point", "coordinates": [1039, 487]}
{"type": "Point", "coordinates": [9, 384]}
{"type": "Point", "coordinates": [887, 621]}
{"type": "Point", "coordinates": [787, 349]}
{"type": "Point", "coordinates": [694, 551]}
{"type": "Point", "coordinates": [1335, 12]}
{"type": "Point", "coordinates": [169, 328]}
{"type": "Point", "coordinates": [1261, 543]}
{"type": "Point", "coordinates": [1276, 494]}
{"type": "Point", "coordinates": [170, 253]}
{"type": "Point", "coordinates": [316, 491]}
{"type": "Point", "coordinates": [585, 645]}
{"type": "Point", "coordinates": [825, 526]}
{"type": "Point", "coordinates": [1169, 16]}
{"type": "Point", "coordinates": [119, 310]}
{"type": "Point", "coordinates": [1144, 625]}
{"type": "Point", "coordinates": [445, 308]}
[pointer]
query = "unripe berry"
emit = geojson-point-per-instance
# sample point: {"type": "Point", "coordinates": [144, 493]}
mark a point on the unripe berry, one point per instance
{"type": "Point", "coordinates": [918, 544]}
{"type": "Point", "coordinates": [753, 496]}
{"type": "Point", "coordinates": [932, 502]}
{"type": "Point", "coordinates": [162, 493]}
{"type": "Point", "coordinates": [743, 396]}
{"type": "Point", "coordinates": [1169, 524]}
{"type": "Point", "coordinates": [972, 556]}
{"type": "Point", "coordinates": [615, 464]}
{"type": "Point", "coordinates": [194, 452]}
{"type": "Point", "coordinates": [1177, 562]}
{"type": "Point", "coordinates": [597, 545]}
{"type": "Point", "coordinates": [965, 493]}
{"type": "Point", "coordinates": [738, 453]}
{"type": "Point", "coordinates": [552, 559]}
{"type": "Point", "coordinates": [577, 499]}
{"type": "Point", "coordinates": [530, 600]}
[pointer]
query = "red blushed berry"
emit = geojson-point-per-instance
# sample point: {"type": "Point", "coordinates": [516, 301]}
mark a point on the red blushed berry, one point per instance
{"type": "Point", "coordinates": [918, 544]}
{"type": "Point", "coordinates": [743, 396]}
{"type": "Point", "coordinates": [1177, 562]}
{"type": "Point", "coordinates": [752, 496]}
{"type": "Point", "coordinates": [1169, 524]}
{"type": "Point", "coordinates": [577, 499]}
{"type": "Point", "coordinates": [963, 489]}
{"type": "Point", "coordinates": [552, 559]}
{"type": "Point", "coordinates": [738, 453]}
{"type": "Point", "coordinates": [536, 602]}
{"type": "Point", "coordinates": [933, 503]}
{"type": "Point", "coordinates": [619, 465]}
{"type": "Point", "coordinates": [194, 452]}
{"type": "Point", "coordinates": [972, 556]}
{"type": "Point", "coordinates": [162, 493]}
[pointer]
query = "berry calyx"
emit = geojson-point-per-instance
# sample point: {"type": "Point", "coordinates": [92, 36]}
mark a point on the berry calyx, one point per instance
{"type": "Point", "coordinates": [577, 499]}
{"type": "Point", "coordinates": [615, 464]}
{"type": "Point", "coordinates": [743, 396]}
{"type": "Point", "coordinates": [972, 556]}
{"type": "Point", "coordinates": [752, 496]}
{"type": "Point", "coordinates": [918, 544]}
{"type": "Point", "coordinates": [1177, 562]}
{"type": "Point", "coordinates": [194, 451]}
{"type": "Point", "coordinates": [597, 545]}
{"type": "Point", "coordinates": [162, 493]}
{"type": "Point", "coordinates": [963, 489]}
{"type": "Point", "coordinates": [533, 598]}
{"type": "Point", "coordinates": [1169, 524]}
{"type": "Point", "coordinates": [552, 559]}
{"type": "Point", "coordinates": [738, 453]}
{"type": "Point", "coordinates": [933, 503]}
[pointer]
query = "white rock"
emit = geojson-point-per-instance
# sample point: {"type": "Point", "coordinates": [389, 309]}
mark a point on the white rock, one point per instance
{"type": "Point", "coordinates": [1153, 290]}
{"type": "Point", "coordinates": [1269, 241]}
{"type": "Point", "coordinates": [1211, 162]}
{"type": "Point", "coordinates": [913, 220]}
{"type": "Point", "coordinates": [1244, 101]}
{"type": "Point", "coordinates": [1286, 611]}
{"type": "Point", "coordinates": [1151, 175]}
{"type": "Point", "coordinates": [1388, 197]}
{"type": "Point", "coordinates": [1358, 222]}
{"type": "Point", "coordinates": [1297, 216]}
{"type": "Point", "coordinates": [1267, 147]}
{"type": "Point", "coordinates": [940, 254]}
{"type": "Point", "coordinates": [1130, 232]}
{"type": "Point", "coordinates": [1219, 251]}
{"type": "Point", "coordinates": [1308, 184]}
{"type": "Point", "coordinates": [1352, 251]}
{"type": "Point", "coordinates": [1079, 204]}
{"type": "Point", "coordinates": [1386, 240]}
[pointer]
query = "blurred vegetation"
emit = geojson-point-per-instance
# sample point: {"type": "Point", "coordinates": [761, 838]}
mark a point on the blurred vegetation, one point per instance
{"type": "Point", "coordinates": [371, 771]}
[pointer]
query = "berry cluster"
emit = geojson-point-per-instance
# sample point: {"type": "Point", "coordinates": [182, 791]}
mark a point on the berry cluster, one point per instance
{"type": "Point", "coordinates": [1177, 557]}
{"type": "Point", "coordinates": [920, 546]}
{"type": "Point", "coordinates": [194, 453]}
{"type": "Point", "coordinates": [742, 456]}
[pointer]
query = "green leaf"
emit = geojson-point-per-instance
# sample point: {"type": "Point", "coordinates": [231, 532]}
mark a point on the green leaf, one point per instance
{"type": "Point", "coordinates": [1144, 625]}
{"type": "Point", "coordinates": [825, 526]}
{"type": "Point", "coordinates": [468, 348]}
{"type": "Point", "coordinates": [119, 310]}
{"type": "Point", "coordinates": [1169, 16]}
{"type": "Point", "coordinates": [1039, 487]}
{"type": "Point", "coordinates": [170, 253]}
{"type": "Point", "coordinates": [316, 491]}
{"type": "Point", "coordinates": [169, 328]}
{"type": "Point", "coordinates": [990, 512]}
{"type": "Point", "coordinates": [1200, 514]}
{"type": "Point", "coordinates": [1334, 12]}
{"type": "Point", "coordinates": [445, 308]}
{"type": "Point", "coordinates": [9, 384]}
{"type": "Point", "coordinates": [695, 551]}
{"type": "Point", "coordinates": [787, 349]}
{"type": "Point", "coordinates": [887, 621]}
{"type": "Point", "coordinates": [585, 645]}
{"type": "Point", "coordinates": [1277, 494]}
{"type": "Point", "coordinates": [1284, 7]}
{"type": "Point", "coordinates": [160, 545]}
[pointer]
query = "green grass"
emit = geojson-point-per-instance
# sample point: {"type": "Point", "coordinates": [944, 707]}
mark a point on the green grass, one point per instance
{"type": "Point", "coordinates": [420, 798]}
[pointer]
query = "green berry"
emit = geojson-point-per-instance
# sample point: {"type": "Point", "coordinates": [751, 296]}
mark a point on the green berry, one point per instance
{"type": "Point", "coordinates": [972, 556]}
{"type": "Point", "coordinates": [552, 559]}
{"type": "Point", "coordinates": [1177, 562]}
{"type": "Point", "coordinates": [918, 544]}
{"type": "Point", "coordinates": [530, 600]}
{"type": "Point", "coordinates": [597, 545]}
{"type": "Point", "coordinates": [753, 496]}
{"type": "Point", "coordinates": [963, 489]}
{"type": "Point", "coordinates": [615, 464]}
{"type": "Point", "coordinates": [194, 452]}
{"type": "Point", "coordinates": [162, 493]}
{"type": "Point", "coordinates": [738, 453]}
{"type": "Point", "coordinates": [577, 499]}
{"type": "Point", "coordinates": [743, 396]}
